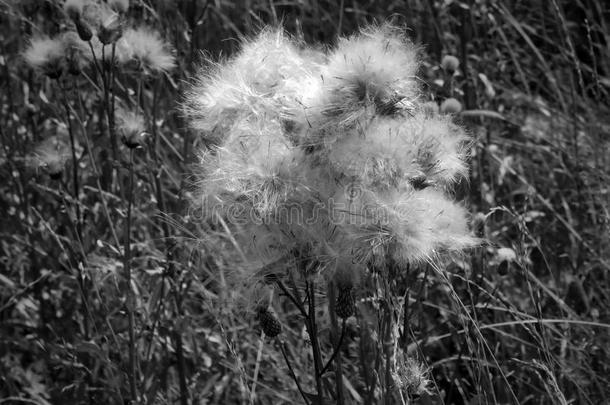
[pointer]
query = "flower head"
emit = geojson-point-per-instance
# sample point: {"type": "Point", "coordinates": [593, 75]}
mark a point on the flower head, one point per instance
{"type": "Point", "coordinates": [46, 55]}
{"type": "Point", "coordinates": [132, 127]}
{"type": "Point", "coordinates": [77, 54]}
{"type": "Point", "coordinates": [451, 106]}
{"type": "Point", "coordinates": [450, 64]}
{"type": "Point", "coordinates": [51, 156]}
{"type": "Point", "coordinates": [145, 46]}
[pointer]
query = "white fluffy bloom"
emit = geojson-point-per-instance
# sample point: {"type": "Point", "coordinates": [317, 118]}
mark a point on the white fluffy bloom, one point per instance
{"type": "Point", "coordinates": [334, 137]}
{"type": "Point", "coordinates": [145, 46]}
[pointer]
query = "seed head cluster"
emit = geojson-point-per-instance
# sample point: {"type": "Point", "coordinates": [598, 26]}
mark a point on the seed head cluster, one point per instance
{"type": "Point", "coordinates": [326, 150]}
{"type": "Point", "coordinates": [99, 32]}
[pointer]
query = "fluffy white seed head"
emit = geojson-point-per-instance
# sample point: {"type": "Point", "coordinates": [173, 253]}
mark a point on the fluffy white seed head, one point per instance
{"type": "Point", "coordinates": [45, 54]}
{"type": "Point", "coordinates": [261, 81]}
{"type": "Point", "coordinates": [339, 138]}
{"type": "Point", "coordinates": [146, 47]}
{"type": "Point", "coordinates": [371, 73]}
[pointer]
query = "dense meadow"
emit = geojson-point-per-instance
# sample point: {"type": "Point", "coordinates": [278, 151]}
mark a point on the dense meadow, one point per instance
{"type": "Point", "coordinates": [147, 147]}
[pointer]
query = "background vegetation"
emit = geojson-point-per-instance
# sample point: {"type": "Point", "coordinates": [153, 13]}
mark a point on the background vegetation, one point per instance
{"type": "Point", "coordinates": [523, 319]}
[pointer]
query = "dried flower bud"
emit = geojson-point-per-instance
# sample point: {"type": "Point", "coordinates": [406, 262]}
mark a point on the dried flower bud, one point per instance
{"type": "Point", "coordinates": [83, 29]}
{"type": "Point", "coordinates": [450, 64]}
{"type": "Point", "coordinates": [451, 106]}
{"type": "Point", "coordinates": [268, 322]}
{"type": "Point", "coordinates": [110, 30]}
{"type": "Point", "coordinates": [346, 305]}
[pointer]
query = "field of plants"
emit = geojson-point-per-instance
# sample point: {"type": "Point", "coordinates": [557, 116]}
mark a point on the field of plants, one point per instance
{"type": "Point", "coordinates": [304, 202]}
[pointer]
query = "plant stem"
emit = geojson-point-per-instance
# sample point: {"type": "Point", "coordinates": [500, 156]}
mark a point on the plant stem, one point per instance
{"type": "Point", "coordinates": [293, 375]}
{"type": "Point", "coordinates": [78, 225]}
{"type": "Point", "coordinates": [129, 293]}
{"type": "Point", "coordinates": [312, 329]}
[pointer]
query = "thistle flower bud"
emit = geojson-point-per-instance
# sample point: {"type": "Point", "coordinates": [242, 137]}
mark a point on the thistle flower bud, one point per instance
{"type": "Point", "coordinates": [83, 29]}
{"type": "Point", "coordinates": [268, 322]}
{"type": "Point", "coordinates": [450, 64]}
{"type": "Point", "coordinates": [345, 305]}
{"type": "Point", "coordinates": [110, 29]}
{"type": "Point", "coordinates": [451, 106]}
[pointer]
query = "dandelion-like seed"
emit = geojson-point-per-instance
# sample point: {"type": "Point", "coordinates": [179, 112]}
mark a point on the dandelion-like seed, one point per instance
{"type": "Point", "coordinates": [77, 55]}
{"type": "Point", "coordinates": [450, 64]}
{"type": "Point", "coordinates": [51, 156]}
{"type": "Point", "coordinates": [292, 128]}
{"type": "Point", "coordinates": [146, 47]}
{"type": "Point", "coordinates": [132, 127]}
{"type": "Point", "coordinates": [451, 106]}
{"type": "Point", "coordinates": [47, 55]}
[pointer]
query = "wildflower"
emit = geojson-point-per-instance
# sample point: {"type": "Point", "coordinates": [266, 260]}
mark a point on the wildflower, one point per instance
{"type": "Point", "coordinates": [264, 80]}
{"type": "Point", "coordinates": [147, 48]}
{"type": "Point", "coordinates": [411, 377]}
{"type": "Point", "coordinates": [76, 53]}
{"type": "Point", "coordinates": [109, 26]}
{"type": "Point", "coordinates": [268, 322]}
{"type": "Point", "coordinates": [451, 106]}
{"type": "Point", "coordinates": [285, 128]}
{"type": "Point", "coordinates": [345, 305]}
{"type": "Point", "coordinates": [132, 127]}
{"type": "Point", "coordinates": [450, 64]}
{"type": "Point", "coordinates": [50, 155]}
{"type": "Point", "coordinates": [369, 73]}
{"type": "Point", "coordinates": [47, 55]}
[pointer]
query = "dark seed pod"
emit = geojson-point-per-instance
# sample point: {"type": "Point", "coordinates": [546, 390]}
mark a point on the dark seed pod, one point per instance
{"type": "Point", "coordinates": [503, 267]}
{"type": "Point", "coordinates": [83, 30]}
{"type": "Point", "coordinates": [269, 323]}
{"type": "Point", "coordinates": [346, 305]}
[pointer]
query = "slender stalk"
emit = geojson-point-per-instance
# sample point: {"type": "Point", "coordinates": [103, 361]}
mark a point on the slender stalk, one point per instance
{"type": "Point", "coordinates": [312, 329]}
{"type": "Point", "coordinates": [129, 293]}
{"type": "Point", "coordinates": [337, 351]}
{"type": "Point", "coordinates": [292, 374]}
{"type": "Point", "coordinates": [78, 225]}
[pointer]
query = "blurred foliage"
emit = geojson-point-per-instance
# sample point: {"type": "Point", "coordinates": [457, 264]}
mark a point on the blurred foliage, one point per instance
{"type": "Point", "coordinates": [524, 319]}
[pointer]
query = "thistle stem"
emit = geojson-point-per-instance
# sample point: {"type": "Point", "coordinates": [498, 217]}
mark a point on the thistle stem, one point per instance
{"type": "Point", "coordinates": [292, 374]}
{"type": "Point", "coordinates": [312, 329]}
{"type": "Point", "coordinates": [129, 293]}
